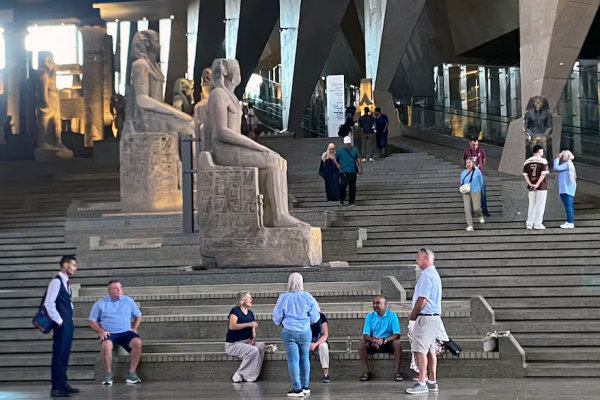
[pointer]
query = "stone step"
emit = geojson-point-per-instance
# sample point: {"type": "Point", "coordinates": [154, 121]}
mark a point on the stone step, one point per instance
{"type": "Point", "coordinates": [456, 223]}
{"type": "Point", "coordinates": [335, 344]}
{"type": "Point", "coordinates": [567, 327]}
{"type": "Point", "coordinates": [508, 282]}
{"type": "Point", "coordinates": [52, 266]}
{"type": "Point", "coordinates": [368, 209]}
{"type": "Point", "coordinates": [57, 250]}
{"type": "Point", "coordinates": [537, 304]}
{"type": "Point", "coordinates": [518, 271]}
{"type": "Point", "coordinates": [44, 360]}
{"type": "Point", "coordinates": [87, 273]}
{"type": "Point", "coordinates": [432, 182]}
{"type": "Point", "coordinates": [485, 263]}
{"type": "Point", "coordinates": [492, 249]}
{"type": "Point", "coordinates": [27, 225]}
{"type": "Point", "coordinates": [466, 292]}
{"type": "Point", "coordinates": [271, 290]}
{"type": "Point", "coordinates": [580, 314]}
{"type": "Point", "coordinates": [33, 374]}
{"type": "Point", "coordinates": [518, 237]}
{"type": "Point", "coordinates": [31, 334]}
{"type": "Point", "coordinates": [562, 370]}
{"type": "Point", "coordinates": [389, 255]}
{"type": "Point", "coordinates": [398, 188]}
{"type": "Point", "coordinates": [385, 203]}
{"type": "Point", "coordinates": [404, 193]}
{"type": "Point", "coordinates": [542, 340]}
{"type": "Point", "coordinates": [45, 346]}
{"type": "Point", "coordinates": [428, 213]}
{"type": "Point", "coordinates": [22, 243]}
{"type": "Point", "coordinates": [562, 354]}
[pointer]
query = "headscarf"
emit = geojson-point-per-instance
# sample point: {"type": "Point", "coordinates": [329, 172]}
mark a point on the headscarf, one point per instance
{"type": "Point", "coordinates": [295, 283]}
{"type": "Point", "coordinates": [327, 155]}
{"type": "Point", "coordinates": [567, 156]}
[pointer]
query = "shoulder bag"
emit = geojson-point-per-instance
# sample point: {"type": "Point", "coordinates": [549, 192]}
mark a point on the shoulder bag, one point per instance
{"type": "Point", "coordinates": [465, 188]}
{"type": "Point", "coordinates": [355, 161]}
{"type": "Point", "coordinates": [42, 319]}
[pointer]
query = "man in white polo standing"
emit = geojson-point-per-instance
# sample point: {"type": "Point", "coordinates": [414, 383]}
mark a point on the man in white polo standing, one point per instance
{"type": "Point", "coordinates": [427, 307]}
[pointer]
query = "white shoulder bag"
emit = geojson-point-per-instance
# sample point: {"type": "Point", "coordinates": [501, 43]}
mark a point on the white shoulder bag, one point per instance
{"type": "Point", "coordinates": [465, 188]}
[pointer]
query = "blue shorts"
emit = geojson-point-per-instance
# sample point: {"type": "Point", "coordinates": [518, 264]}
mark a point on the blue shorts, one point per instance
{"type": "Point", "coordinates": [123, 339]}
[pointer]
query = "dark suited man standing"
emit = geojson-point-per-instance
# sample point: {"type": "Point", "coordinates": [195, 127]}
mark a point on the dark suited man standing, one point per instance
{"type": "Point", "coordinates": [60, 309]}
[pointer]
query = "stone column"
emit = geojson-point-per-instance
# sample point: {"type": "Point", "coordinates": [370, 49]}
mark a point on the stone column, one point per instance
{"type": "Point", "coordinates": [108, 82]}
{"type": "Point", "coordinates": [289, 20]}
{"type": "Point", "coordinates": [232, 24]}
{"type": "Point", "coordinates": [16, 72]}
{"type": "Point", "coordinates": [93, 33]}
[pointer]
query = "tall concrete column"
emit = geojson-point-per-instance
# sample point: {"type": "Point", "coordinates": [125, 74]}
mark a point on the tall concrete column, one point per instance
{"type": "Point", "coordinates": [552, 34]}
{"type": "Point", "coordinates": [16, 72]}
{"type": "Point", "coordinates": [389, 26]}
{"type": "Point", "coordinates": [289, 20]}
{"type": "Point", "coordinates": [93, 33]}
{"type": "Point", "coordinates": [232, 24]}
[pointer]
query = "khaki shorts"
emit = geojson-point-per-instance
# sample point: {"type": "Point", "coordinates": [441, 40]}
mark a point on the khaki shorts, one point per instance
{"type": "Point", "coordinates": [425, 334]}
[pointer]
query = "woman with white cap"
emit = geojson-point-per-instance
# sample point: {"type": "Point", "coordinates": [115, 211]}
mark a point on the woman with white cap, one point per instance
{"type": "Point", "coordinates": [567, 185]}
{"type": "Point", "coordinates": [295, 310]}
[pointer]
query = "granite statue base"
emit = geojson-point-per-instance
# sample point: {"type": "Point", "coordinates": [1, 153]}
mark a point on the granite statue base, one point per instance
{"type": "Point", "coordinates": [232, 233]}
{"type": "Point", "coordinates": [150, 172]}
{"type": "Point", "coordinates": [515, 201]}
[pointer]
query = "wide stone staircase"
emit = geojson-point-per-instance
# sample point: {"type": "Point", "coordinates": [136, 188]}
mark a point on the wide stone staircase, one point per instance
{"type": "Point", "coordinates": [532, 280]}
{"type": "Point", "coordinates": [542, 285]}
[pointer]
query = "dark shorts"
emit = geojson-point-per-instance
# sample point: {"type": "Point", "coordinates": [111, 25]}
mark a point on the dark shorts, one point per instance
{"type": "Point", "coordinates": [384, 348]}
{"type": "Point", "coordinates": [123, 339]}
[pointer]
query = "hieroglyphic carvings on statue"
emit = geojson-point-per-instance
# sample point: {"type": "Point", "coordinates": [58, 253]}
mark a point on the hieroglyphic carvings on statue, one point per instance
{"type": "Point", "coordinates": [228, 199]}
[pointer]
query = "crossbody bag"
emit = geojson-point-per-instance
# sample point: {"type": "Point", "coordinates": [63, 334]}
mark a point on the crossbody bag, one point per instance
{"type": "Point", "coordinates": [465, 188]}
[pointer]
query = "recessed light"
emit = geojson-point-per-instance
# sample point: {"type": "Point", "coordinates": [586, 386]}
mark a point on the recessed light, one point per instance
{"type": "Point", "coordinates": [172, 17]}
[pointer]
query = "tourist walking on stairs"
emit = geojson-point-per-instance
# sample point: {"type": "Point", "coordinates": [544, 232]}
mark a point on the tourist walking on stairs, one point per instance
{"type": "Point", "coordinates": [295, 310]}
{"type": "Point", "coordinates": [567, 185]}
{"type": "Point", "coordinates": [330, 174]}
{"type": "Point", "coordinates": [535, 170]}
{"type": "Point", "coordinates": [241, 340]}
{"type": "Point", "coordinates": [471, 182]}
{"type": "Point", "coordinates": [60, 309]}
{"type": "Point", "coordinates": [476, 153]}
{"type": "Point", "coordinates": [349, 164]}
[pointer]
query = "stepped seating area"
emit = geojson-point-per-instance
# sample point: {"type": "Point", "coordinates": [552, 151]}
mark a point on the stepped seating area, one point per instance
{"type": "Point", "coordinates": [531, 279]}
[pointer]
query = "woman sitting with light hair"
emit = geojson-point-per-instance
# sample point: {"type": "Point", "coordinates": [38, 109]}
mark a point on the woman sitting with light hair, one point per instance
{"type": "Point", "coordinates": [295, 310]}
{"type": "Point", "coordinates": [241, 340]}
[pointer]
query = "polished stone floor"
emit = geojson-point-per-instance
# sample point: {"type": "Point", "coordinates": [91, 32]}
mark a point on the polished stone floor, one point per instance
{"type": "Point", "coordinates": [450, 389]}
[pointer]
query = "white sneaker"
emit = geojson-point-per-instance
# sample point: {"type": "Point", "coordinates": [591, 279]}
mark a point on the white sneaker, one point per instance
{"type": "Point", "coordinates": [237, 378]}
{"type": "Point", "coordinates": [470, 229]}
{"type": "Point", "coordinates": [540, 227]}
{"type": "Point", "coordinates": [481, 220]}
{"type": "Point", "coordinates": [306, 391]}
{"type": "Point", "coordinates": [364, 160]}
{"type": "Point", "coordinates": [567, 225]}
{"type": "Point", "coordinates": [529, 226]}
{"type": "Point", "coordinates": [371, 160]}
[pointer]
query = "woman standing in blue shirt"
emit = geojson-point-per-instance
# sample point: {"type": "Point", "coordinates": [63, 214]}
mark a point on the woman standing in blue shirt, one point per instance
{"type": "Point", "coordinates": [295, 310]}
{"type": "Point", "coordinates": [472, 176]}
{"type": "Point", "coordinates": [241, 340]}
{"type": "Point", "coordinates": [567, 185]}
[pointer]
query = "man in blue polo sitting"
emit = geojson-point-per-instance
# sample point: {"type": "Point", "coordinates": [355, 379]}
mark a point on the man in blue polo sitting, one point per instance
{"type": "Point", "coordinates": [111, 319]}
{"type": "Point", "coordinates": [381, 334]}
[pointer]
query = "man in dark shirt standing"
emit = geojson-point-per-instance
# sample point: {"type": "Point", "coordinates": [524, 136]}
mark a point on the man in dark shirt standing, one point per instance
{"type": "Point", "coordinates": [366, 123]}
{"type": "Point", "coordinates": [477, 155]}
{"type": "Point", "coordinates": [381, 131]}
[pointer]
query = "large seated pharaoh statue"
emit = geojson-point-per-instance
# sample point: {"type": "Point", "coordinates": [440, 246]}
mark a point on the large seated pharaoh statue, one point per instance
{"type": "Point", "coordinates": [223, 138]}
{"type": "Point", "coordinates": [150, 165]}
{"type": "Point", "coordinates": [242, 190]}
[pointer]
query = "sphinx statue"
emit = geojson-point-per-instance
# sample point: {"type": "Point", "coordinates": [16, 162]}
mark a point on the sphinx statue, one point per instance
{"type": "Point", "coordinates": [201, 107]}
{"type": "Point", "coordinates": [537, 124]}
{"type": "Point", "coordinates": [47, 100]}
{"type": "Point", "coordinates": [150, 164]}
{"type": "Point", "coordinates": [182, 97]}
{"type": "Point", "coordinates": [222, 131]}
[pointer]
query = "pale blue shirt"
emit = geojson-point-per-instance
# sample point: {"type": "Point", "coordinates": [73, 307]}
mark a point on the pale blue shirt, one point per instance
{"type": "Point", "coordinates": [296, 310]}
{"type": "Point", "coordinates": [565, 185]}
{"type": "Point", "coordinates": [114, 316]}
{"type": "Point", "coordinates": [381, 327]}
{"type": "Point", "coordinates": [476, 183]}
{"type": "Point", "coordinates": [429, 286]}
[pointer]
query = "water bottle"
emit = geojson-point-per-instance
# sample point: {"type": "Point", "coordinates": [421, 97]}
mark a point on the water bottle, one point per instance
{"type": "Point", "coordinates": [349, 344]}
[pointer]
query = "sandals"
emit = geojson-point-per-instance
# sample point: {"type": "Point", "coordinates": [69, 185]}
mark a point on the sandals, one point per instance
{"type": "Point", "coordinates": [365, 377]}
{"type": "Point", "coordinates": [398, 377]}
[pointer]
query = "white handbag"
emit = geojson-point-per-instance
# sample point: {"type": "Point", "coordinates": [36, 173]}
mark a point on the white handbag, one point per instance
{"type": "Point", "coordinates": [465, 188]}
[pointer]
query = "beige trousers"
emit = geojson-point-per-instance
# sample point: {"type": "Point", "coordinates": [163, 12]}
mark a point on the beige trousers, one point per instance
{"type": "Point", "coordinates": [476, 198]}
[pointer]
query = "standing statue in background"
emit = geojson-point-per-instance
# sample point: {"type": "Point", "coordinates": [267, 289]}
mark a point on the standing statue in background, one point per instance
{"type": "Point", "coordinates": [49, 142]}
{"type": "Point", "coordinates": [117, 110]}
{"type": "Point", "coordinates": [182, 97]}
{"type": "Point", "coordinates": [537, 124]}
{"type": "Point", "coordinates": [230, 148]}
{"type": "Point", "coordinates": [201, 107]}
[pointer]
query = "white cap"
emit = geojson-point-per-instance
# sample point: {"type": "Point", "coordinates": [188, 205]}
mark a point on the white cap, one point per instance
{"type": "Point", "coordinates": [347, 139]}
